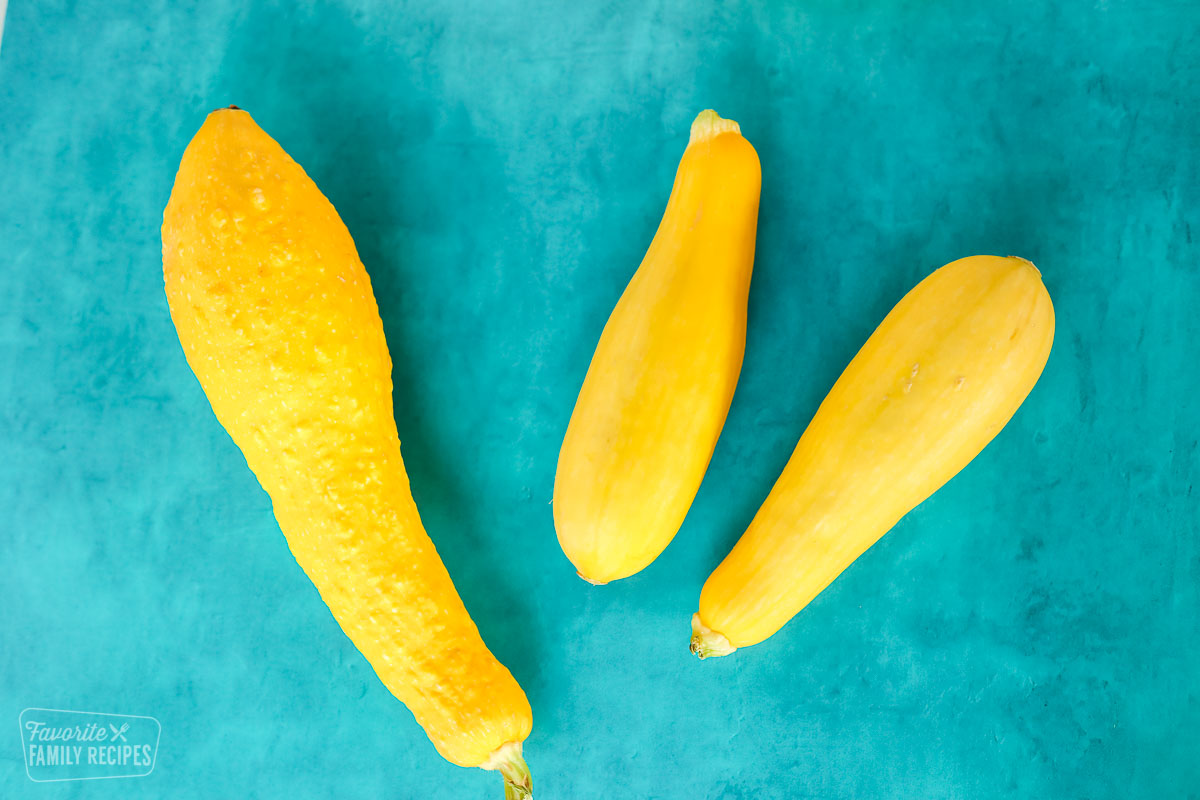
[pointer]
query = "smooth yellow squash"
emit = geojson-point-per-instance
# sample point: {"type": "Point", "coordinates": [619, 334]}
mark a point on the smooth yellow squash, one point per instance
{"type": "Point", "coordinates": [939, 378]}
{"type": "Point", "coordinates": [278, 321]}
{"type": "Point", "coordinates": [661, 380]}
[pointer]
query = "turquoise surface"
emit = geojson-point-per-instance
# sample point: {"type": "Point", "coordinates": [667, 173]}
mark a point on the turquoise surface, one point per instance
{"type": "Point", "coordinates": [1030, 632]}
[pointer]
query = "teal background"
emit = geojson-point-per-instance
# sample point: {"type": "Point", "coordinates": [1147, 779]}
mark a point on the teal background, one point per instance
{"type": "Point", "coordinates": [1030, 632]}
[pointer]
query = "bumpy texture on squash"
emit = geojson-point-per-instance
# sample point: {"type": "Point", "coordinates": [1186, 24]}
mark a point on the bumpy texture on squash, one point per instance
{"type": "Point", "coordinates": [662, 378]}
{"type": "Point", "coordinates": [935, 382]}
{"type": "Point", "coordinates": [278, 321]}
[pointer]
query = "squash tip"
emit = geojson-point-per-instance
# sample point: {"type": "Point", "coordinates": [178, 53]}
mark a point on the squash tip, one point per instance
{"type": "Point", "coordinates": [590, 580]}
{"type": "Point", "coordinates": [1028, 263]}
{"type": "Point", "coordinates": [709, 124]}
{"type": "Point", "coordinates": [707, 643]}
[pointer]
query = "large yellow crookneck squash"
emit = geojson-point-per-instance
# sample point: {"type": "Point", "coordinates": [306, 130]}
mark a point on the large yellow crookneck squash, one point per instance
{"type": "Point", "coordinates": [278, 321]}
{"type": "Point", "coordinates": [662, 377]}
{"type": "Point", "coordinates": [939, 378]}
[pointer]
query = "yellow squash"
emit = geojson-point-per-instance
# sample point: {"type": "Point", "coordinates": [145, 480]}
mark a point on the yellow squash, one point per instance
{"type": "Point", "coordinates": [278, 321]}
{"type": "Point", "coordinates": [939, 378]}
{"type": "Point", "coordinates": [661, 380]}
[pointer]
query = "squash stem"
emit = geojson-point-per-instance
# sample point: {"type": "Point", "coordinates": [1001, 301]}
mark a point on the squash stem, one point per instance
{"type": "Point", "coordinates": [709, 124]}
{"type": "Point", "coordinates": [1030, 263]}
{"type": "Point", "coordinates": [508, 761]}
{"type": "Point", "coordinates": [707, 643]}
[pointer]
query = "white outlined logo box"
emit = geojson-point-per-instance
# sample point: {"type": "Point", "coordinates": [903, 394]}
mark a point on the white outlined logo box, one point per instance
{"type": "Point", "coordinates": [63, 745]}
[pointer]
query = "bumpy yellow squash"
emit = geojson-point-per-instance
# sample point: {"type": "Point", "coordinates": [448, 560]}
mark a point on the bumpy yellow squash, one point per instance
{"type": "Point", "coordinates": [278, 321]}
{"type": "Point", "coordinates": [662, 378]}
{"type": "Point", "coordinates": [939, 378]}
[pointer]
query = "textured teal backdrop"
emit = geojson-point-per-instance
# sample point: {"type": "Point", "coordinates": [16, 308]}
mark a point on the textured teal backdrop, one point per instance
{"type": "Point", "coordinates": [1030, 632]}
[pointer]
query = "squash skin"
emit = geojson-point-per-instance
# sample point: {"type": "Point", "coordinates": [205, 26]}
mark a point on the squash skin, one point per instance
{"type": "Point", "coordinates": [278, 321]}
{"type": "Point", "coordinates": [937, 380]}
{"type": "Point", "coordinates": [663, 375]}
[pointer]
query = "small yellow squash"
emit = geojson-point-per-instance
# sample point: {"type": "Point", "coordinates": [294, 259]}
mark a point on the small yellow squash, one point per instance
{"type": "Point", "coordinates": [663, 375]}
{"type": "Point", "coordinates": [278, 321]}
{"type": "Point", "coordinates": [939, 378]}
